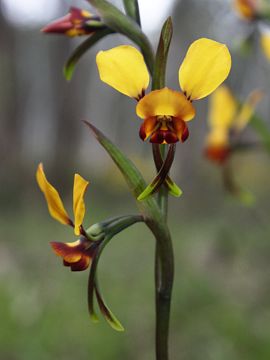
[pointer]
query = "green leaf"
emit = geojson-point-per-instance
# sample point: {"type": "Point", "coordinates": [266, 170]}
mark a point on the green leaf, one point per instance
{"type": "Point", "coordinates": [120, 23]}
{"type": "Point", "coordinates": [132, 10]}
{"type": "Point", "coordinates": [107, 313]}
{"type": "Point", "coordinates": [81, 50]}
{"type": "Point", "coordinates": [262, 130]}
{"type": "Point", "coordinates": [134, 179]}
{"type": "Point", "coordinates": [162, 55]}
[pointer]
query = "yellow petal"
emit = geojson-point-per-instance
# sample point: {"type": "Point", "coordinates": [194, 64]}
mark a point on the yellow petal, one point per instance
{"type": "Point", "coordinates": [79, 189]}
{"type": "Point", "coordinates": [54, 202]}
{"type": "Point", "coordinates": [124, 69]}
{"type": "Point", "coordinates": [247, 109]}
{"type": "Point", "coordinates": [165, 102]}
{"type": "Point", "coordinates": [218, 137]}
{"type": "Point", "coordinates": [245, 8]}
{"type": "Point", "coordinates": [222, 108]}
{"type": "Point", "coordinates": [206, 65]}
{"type": "Point", "coordinates": [265, 43]}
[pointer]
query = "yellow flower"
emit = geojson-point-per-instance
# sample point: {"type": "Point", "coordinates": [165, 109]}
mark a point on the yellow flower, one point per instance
{"type": "Point", "coordinates": [226, 118]}
{"type": "Point", "coordinates": [77, 254]}
{"type": "Point", "coordinates": [247, 9]}
{"type": "Point", "coordinates": [165, 111]}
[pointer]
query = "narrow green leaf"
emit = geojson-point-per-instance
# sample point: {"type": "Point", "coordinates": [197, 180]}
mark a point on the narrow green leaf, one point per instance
{"type": "Point", "coordinates": [262, 130]}
{"type": "Point", "coordinates": [120, 23]}
{"type": "Point", "coordinates": [162, 55]}
{"type": "Point", "coordinates": [107, 313]}
{"type": "Point", "coordinates": [135, 181]}
{"type": "Point", "coordinates": [81, 50]}
{"type": "Point", "coordinates": [132, 175]}
{"type": "Point", "coordinates": [132, 10]}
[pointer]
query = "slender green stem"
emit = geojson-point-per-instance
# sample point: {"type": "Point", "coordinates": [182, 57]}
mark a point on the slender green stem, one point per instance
{"type": "Point", "coordinates": [164, 259]}
{"type": "Point", "coordinates": [132, 10]}
{"type": "Point", "coordinates": [162, 303]}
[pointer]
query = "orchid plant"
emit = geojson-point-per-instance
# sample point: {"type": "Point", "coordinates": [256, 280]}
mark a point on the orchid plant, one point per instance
{"type": "Point", "coordinates": [165, 114]}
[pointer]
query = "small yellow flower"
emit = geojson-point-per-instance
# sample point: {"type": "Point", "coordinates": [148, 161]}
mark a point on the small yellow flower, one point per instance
{"type": "Point", "coordinates": [77, 254]}
{"type": "Point", "coordinates": [226, 118]}
{"type": "Point", "coordinates": [165, 111]}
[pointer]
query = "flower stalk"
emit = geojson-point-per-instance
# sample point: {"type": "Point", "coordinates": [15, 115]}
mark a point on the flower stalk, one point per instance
{"type": "Point", "coordinates": [162, 297]}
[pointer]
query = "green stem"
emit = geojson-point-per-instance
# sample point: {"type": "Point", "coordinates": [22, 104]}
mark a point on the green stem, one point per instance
{"type": "Point", "coordinates": [164, 273]}
{"type": "Point", "coordinates": [164, 268]}
{"type": "Point", "coordinates": [132, 10]}
{"type": "Point", "coordinates": [162, 303]}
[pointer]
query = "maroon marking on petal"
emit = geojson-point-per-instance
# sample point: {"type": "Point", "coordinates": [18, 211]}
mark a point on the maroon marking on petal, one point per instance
{"type": "Point", "coordinates": [142, 132]}
{"type": "Point", "coordinates": [185, 134]}
{"type": "Point", "coordinates": [180, 128]}
{"type": "Point", "coordinates": [170, 137]}
{"type": "Point", "coordinates": [157, 137]}
{"type": "Point", "coordinates": [81, 265]}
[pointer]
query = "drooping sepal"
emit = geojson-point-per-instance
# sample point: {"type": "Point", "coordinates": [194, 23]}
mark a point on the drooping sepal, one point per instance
{"type": "Point", "coordinates": [154, 186]}
{"type": "Point", "coordinates": [173, 189]}
{"type": "Point", "coordinates": [107, 313]}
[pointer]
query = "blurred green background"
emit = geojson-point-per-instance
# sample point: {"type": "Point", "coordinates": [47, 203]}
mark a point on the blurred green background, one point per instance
{"type": "Point", "coordinates": [221, 299]}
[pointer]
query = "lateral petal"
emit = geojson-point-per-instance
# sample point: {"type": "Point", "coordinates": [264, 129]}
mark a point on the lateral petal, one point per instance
{"type": "Point", "coordinates": [54, 202]}
{"type": "Point", "coordinates": [222, 108]}
{"type": "Point", "coordinates": [79, 189]}
{"type": "Point", "coordinates": [206, 65]}
{"type": "Point", "coordinates": [124, 69]}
